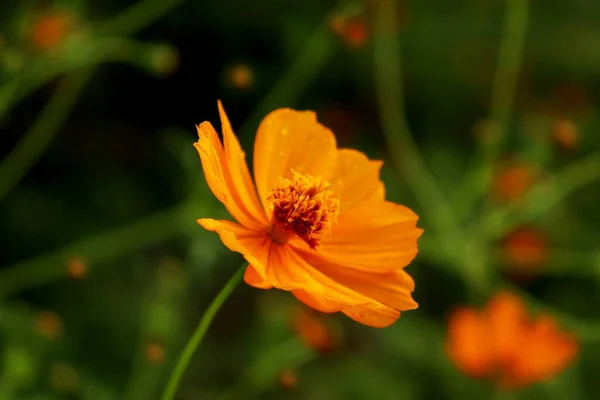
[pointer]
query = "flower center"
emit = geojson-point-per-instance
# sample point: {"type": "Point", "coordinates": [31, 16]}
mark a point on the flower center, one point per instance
{"type": "Point", "coordinates": [303, 206]}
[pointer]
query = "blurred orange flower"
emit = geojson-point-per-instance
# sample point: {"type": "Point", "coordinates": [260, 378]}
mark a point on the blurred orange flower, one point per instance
{"type": "Point", "coordinates": [352, 29]}
{"type": "Point", "coordinates": [513, 181]}
{"type": "Point", "coordinates": [565, 134]}
{"type": "Point", "coordinates": [320, 226]}
{"type": "Point", "coordinates": [76, 268]}
{"type": "Point", "coordinates": [525, 248]}
{"type": "Point", "coordinates": [501, 342]}
{"type": "Point", "coordinates": [155, 352]}
{"type": "Point", "coordinates": [49, 325]}
{"type": "Point", "coordinates": [313, 331]}
{"type": "Point", "coordinates": [288, 379]}
{"type": "Point", "coordinates": [50, 29]}
{"type": "Point", "coordinates": [241, 76]}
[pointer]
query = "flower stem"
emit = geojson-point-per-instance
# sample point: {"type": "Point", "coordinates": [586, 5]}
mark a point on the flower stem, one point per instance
{"type": "Point", "coordinates": [41, 133]}
{"type": "Point", "coordinates": [389, 90]}
{"type": "Point", "coordinates": [95, 250]}
{"type": "Point", "coordinates": [502, 100]}
{"type": "Point", "coordinates": [542, 196]}
{"type": "Point", "coordinates": [196, 339]}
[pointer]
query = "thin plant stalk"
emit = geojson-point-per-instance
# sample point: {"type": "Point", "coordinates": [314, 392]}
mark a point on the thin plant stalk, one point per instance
{"type": "Point", "coordinates": [196, 339]}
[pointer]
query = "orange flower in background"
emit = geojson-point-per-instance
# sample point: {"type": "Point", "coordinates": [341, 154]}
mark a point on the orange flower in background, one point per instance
{"type": "Point", "coordinates": [241, 76]}
{"type": "Point", "coordinates": [288, 379]}
{"type": "Point", "coordinates": [501, 342]}
{"type": "Point", "coordinates": [352, 29]}
{"type": "Point", "coordinates": [50, 29]}
{"type": "Point", "coordinates": [49, 325]}
{"type": "Point", "coordinates": [565, 134]}
{"type": "Point", "coordinates": [155, 352]}
{"type": "Point", "coordinates": [320, 226]}
{"type": "Point", "coordinates": [313, 331]}
{"type": "Point", "coordinates": [514, 181]}
{"type": "Point", "coordinates": [77, 268]}
{"type": "Point", "coordinates": [525, 248]}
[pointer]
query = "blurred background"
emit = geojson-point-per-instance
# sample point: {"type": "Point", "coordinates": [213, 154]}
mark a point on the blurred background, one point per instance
{"type": "Point", "coordinates": [484, 112]}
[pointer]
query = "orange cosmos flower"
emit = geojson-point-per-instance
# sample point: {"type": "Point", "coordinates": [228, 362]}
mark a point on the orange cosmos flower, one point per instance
{"type": "Point", "coordinates": [513, 181]}
{"type": "Point", "coordinates": [49, 325]}
{"type": "Point", "coordinates": [313, 331]}
{"type": "Point", "coordinates": [565, 134]}
{"type": "Point", "coordinates": [77, 268]}
{"type": "Point", "coordinates": [320, 226]}
{"type": "Point", "coordinates": [352, 29]}
{"type": "Point", "coordinates": [288, 379]}
{"type": "Point", "coordinates": [501, 342]}
{"type": "Point", "coordinates": [50, 29]}
{"type": "Point", "coordinates": [525, 248]}
{"type": "Point", "coordinates": [155, 352]}
{"type": "Point", "coordinates": [241, 76]}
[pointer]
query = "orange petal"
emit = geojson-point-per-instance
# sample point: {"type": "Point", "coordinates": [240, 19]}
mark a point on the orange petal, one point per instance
{"type": "Point", "coordinates": [253, 278]}
{"type": "Point", "coordinates": [379, 238]}
{"type": "Point", "coordinates": [372, 315]}
{"type": "Point", "coordinates": [291, 140]}
{"type": "Point", "coordinates": [356, 179]}
{"type": "Point", "coordinates": [287, 271]}
{"type": "Point", "coordinates": [227, 174]}
{"type": "Point", "coordinates": [543, 353]}
{"type": "Point", "coordinates": [392, 289]}
{"type": "Point", "coordinates": [238, 167]}
{"type": "Point", "coordinates": [371, 299]}
{"type": "Point", "coordinates": [325, 305]}
{"type": "Point", "coordinates": [469, 344]}
{"type": "Point", "coordinates": [507, 316]}
{"type": "Point", "coordinates": [253, 245]}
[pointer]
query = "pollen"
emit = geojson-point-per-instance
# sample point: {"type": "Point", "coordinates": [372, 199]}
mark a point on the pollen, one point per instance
{"type": "Point", "coordinates": [303, 206]}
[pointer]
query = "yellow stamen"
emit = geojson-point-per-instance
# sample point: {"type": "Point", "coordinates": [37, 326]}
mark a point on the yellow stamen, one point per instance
{"type": "Point", "coordinates": [303, 206]}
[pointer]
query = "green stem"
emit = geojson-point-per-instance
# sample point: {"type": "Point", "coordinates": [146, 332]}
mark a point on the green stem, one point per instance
{"type": "Point", "coordinates": [89, 54]}
{"type": "Point", "coordinates": [542, 196]}
{"type": "Point", "coordinates": [310, 59]}
{"type": "Point", "coordinates": [35, 141]}
{"type": "Point", "coordinates": [96, 249]}
{"type": "Point", "coordinates": [196, 339]}
{"type": "Point", "coordinates": [480, 174]}
{"type": "Point", "coordinates": [509, 64]}
{"type": "Point", "coordinates": [138, 16]}
{"type": "Point", "coordinates": [389, 90]}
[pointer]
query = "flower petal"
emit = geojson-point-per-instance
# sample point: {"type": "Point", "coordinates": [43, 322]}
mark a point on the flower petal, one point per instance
{"type": "Point", "coordinates": [469, 343]}
{"type": "Point", "coordinates": [356, 179]}
{"type": "Point", "coordinates": [543, 352]}
{"type": "Point", "coordinates": [392, 289]}
{"type": "Point", "coordinates": [240, 175]}
{"type": "Point", "coordinates": [380, 237]}
{"type": "Point", "coordinates": [371, 299]}
{"type": "Point", "coordinates": [227, 175]}
{"type": "Point", "coordinates": [291, 140]}
{"type": "Point", "coordinates": [508, 320]}
{"type": "Point", "coordinates": [325, 305]}
{"type": "Point", "coordinates": [253, 245]}
{"type": "Point", "coordinates": [253, 278]}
